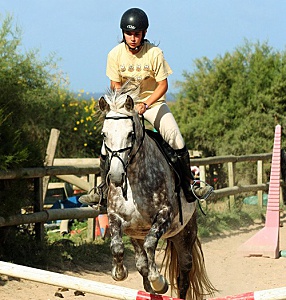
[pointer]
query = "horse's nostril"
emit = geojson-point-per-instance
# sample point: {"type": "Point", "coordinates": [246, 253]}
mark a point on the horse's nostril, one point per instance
{"type": "Point", "coordinates": [118, 179]}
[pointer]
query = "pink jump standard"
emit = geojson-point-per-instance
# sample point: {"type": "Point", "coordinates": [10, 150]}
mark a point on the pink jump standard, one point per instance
{"type": "Point", "coordinates": [266, 242]}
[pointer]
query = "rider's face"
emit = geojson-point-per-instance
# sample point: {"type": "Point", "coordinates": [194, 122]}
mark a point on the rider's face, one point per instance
{"type": "Point", "coordinates": [133, 38]}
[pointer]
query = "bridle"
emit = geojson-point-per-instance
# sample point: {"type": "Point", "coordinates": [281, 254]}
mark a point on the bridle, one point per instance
{"type": "Point", "coordinates": [115, 153]}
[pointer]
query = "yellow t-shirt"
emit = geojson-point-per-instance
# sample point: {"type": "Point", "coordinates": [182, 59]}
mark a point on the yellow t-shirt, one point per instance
{"type": "Point", "coordinates": [146, 67]}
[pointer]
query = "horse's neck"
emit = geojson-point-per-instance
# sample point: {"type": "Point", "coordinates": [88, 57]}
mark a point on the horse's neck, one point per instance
{"type": "Point", "coordinates": [146, 152]}
{"type": "Point", "coordinates": [147, 155]}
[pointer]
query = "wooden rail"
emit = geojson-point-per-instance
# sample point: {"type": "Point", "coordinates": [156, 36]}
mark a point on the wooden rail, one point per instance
{"type": "Point", "coordinates": [231, 160]}
{"type": "Point", "coordinates": [65, 171]}
{"type": "Point", "coordinates": [50, 215]}
{"type": "Point", "coordinates": [64, 167]}
{"type": "Point", "coordinates": [49, 171]}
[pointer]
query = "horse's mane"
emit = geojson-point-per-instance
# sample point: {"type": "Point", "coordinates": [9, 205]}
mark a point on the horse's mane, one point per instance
{"type": "Point", "coordinates": [116, 98]}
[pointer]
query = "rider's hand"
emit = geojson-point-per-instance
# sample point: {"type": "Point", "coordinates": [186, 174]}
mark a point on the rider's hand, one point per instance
{"type": "Point", "coordinates": [141, 108]}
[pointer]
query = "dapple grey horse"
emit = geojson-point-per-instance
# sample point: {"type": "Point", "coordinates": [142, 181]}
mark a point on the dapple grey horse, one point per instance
{"type": "Point", "coordinates": [143, 204]}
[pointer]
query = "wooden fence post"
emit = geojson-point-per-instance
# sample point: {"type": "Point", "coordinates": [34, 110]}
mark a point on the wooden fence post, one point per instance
{"type": "Point", "coordinates": [202, 175]}
{"type": "Point", "coordinates": [202, 184]}
{"type": "Point", "coordinates": [91, 221]}
{"type": "Point", "coordinates": [50, 154]}
{"type": "Point", "coordinates": [231, 182]}
{"type": "Point", "coordinates": [38, 206]}
{"type": "Point", "coordinates": [259, 181]}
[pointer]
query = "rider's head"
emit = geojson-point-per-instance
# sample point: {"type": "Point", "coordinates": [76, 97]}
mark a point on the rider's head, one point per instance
{"type": "Point", "coordinates": [134, 20]}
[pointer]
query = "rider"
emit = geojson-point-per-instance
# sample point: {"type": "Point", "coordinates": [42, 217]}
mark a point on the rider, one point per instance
{"type": "Point", "coordinates": [135, 58]}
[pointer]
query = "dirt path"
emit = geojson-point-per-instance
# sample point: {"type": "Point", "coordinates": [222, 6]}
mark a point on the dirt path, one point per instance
{"type": "Point", "coordinates": [229, 272]}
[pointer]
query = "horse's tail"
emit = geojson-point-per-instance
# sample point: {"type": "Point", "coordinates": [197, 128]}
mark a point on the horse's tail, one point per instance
{"type": "Point", "coordinates": [200, 284]}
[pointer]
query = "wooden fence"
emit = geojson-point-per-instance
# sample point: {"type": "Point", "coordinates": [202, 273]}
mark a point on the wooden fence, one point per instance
{"type": "Point", "coordinates": [231, 161]}
{"type": "Point", "coordinates": [70, 170]}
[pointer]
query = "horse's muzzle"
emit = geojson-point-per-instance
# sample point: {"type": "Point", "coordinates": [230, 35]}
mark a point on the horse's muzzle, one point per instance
{"type": "Point", "coordinates": [116, 179]}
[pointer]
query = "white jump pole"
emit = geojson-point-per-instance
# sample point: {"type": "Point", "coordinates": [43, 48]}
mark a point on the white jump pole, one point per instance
{"type": "Point", "coordinates": [272, 294]}
{"type": "Point", "coordinates": [76, 283]}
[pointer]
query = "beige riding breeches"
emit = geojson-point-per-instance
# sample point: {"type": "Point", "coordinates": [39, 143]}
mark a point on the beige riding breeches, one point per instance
{"type": "Point", "coordinates": [164, 122]}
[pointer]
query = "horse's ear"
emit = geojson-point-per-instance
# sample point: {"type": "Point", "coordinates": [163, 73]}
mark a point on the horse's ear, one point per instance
{"type": "Point", "coordinates": [129, 103]}
{"type": "Point", "coordinates": [103, 105]}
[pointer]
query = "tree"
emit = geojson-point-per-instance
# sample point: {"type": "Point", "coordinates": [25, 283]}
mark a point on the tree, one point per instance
{"type": "Point", "coordinates": [34, 98]}
{"type": "Point", "coordinates": [24, 85]}
{"type": "Point", "coordinates": [230, 105]}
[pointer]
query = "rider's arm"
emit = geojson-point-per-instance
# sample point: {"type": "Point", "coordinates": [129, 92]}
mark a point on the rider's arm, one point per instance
{"type": "Point", "coordinates": [160, 90]}
{"type": "Point", "coordinates": [115, 85]}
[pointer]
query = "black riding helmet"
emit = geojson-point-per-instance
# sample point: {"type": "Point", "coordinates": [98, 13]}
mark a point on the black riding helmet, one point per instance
{"type": "Point", "coordinates": [134, 19]}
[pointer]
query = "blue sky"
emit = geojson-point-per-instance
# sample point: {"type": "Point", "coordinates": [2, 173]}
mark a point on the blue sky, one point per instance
{"type": "Point", "coordinates": [82, 32]}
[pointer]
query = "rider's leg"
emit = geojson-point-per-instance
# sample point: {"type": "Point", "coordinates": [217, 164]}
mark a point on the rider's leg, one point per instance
{"type": "Point", "coordinates": [163, 120]}
{"type": "Point", "coordinates": [101, 191]}
{"type": "Point", "coordinates": [188, 179]}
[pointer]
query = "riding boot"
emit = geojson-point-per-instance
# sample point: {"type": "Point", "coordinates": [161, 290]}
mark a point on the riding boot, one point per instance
{"type": "Point", "coordinates": [101, 191]}
{"type": "Point", "coordinates": [191, 191]}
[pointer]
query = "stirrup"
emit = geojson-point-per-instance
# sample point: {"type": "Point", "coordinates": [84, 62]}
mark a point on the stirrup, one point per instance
{"type": "Point", "coordinates": [206, 195]}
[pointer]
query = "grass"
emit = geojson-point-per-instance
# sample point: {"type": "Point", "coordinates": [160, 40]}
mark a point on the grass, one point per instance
{"type": "Point", "coordinates": [219, 218]}
{"type": "Point", "coordinates": [74, 249]}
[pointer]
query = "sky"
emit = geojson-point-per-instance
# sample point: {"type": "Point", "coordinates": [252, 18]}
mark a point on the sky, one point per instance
{"type": "Point", "coordinates": [81, 32]}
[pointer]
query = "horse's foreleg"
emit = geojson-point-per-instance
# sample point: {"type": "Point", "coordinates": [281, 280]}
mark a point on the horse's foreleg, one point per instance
{"type": "Point", "coordinates": [159, 227]}
{"type": "Point", "coordinates": [119, 271]}
{"type": "Point", "coordinates": [141, 262]}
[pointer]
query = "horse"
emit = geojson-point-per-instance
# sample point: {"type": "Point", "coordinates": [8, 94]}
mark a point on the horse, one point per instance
{"type": "Point", "coordinates": [143, 203]}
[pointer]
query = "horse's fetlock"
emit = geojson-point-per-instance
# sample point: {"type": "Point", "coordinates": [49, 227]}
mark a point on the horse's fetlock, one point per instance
{"type": "Point", "coordinates": [154, 275]}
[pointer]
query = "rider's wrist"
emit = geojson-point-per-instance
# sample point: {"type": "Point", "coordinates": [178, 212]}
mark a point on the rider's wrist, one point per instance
{"type": "Point", "coordinates": [146, 105]}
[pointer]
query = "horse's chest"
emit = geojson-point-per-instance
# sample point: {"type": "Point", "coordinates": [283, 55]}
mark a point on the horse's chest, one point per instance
{"type": "Point", "coordinates": [135, 215]}
{"type": "Point", "coordinates": [130, 212]}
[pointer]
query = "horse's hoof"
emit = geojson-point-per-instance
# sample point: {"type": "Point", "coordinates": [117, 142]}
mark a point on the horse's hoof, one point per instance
{"type": "Point", "coordinates": [161, 285]}
{"type": "Point", "coordinates": [119, 274]}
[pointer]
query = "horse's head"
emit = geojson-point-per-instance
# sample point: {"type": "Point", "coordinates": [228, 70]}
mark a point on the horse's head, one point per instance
{"type": "Point", "coordinates": [118, 132]}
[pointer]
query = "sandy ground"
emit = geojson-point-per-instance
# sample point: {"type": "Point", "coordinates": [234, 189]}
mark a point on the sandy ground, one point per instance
{"type": "Point", "coordinates": [231, 273]}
